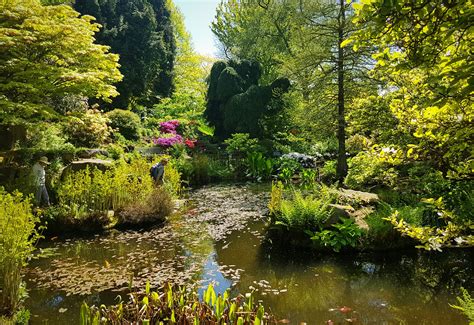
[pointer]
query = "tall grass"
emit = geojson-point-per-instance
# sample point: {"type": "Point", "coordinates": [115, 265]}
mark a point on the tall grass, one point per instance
{"type": "Point", "coordinates": [17, 238]}
{"type": "Point", "coordinates": [125, 186]}
{"type": "Point", "coordinates": [96, 190]}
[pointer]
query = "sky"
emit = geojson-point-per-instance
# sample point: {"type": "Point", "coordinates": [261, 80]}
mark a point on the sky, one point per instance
{"type": "Point", "coordinates": [198, 15]}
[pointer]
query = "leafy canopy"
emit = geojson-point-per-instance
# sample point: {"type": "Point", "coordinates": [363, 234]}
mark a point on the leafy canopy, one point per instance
{"type": "Point", "coordinates": [424, 54]}
{"type": "Point", "coordinates": [48, 52]}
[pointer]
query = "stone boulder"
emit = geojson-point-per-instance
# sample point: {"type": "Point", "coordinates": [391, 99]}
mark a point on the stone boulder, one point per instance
{"type": "Point", "coordinates": [92, 153]}
{"type": "Point", "coordinates": [357, 197]}
{"type": "Point", "coordinates": [81, 164]}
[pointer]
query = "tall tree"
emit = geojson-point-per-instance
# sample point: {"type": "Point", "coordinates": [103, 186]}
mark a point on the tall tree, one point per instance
{"type": "Point", "coordinates": [305, 40]}
{"type": "Point", "coordinates": [48, 52]}
{"type": "Point", "coordinates": [140, 31]}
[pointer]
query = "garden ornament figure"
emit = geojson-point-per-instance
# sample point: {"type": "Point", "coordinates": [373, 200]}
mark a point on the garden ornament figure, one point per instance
{"type": "Point", "coordinates": [39, 174]}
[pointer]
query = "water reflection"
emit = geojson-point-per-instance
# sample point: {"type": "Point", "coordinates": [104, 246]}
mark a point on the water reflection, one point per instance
{"type": "Point", "coordinates": [222, 240]}
{"type": "Point", "coordinates": [390, 287]}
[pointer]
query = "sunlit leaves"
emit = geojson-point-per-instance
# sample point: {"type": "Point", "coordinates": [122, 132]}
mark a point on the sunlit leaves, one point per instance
{"type": "Point", "coordinates": [49, 51]}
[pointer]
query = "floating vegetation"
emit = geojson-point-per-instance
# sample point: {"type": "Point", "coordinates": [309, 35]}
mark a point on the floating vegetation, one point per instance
{"type": "Point", "coordinates": [176, 252]}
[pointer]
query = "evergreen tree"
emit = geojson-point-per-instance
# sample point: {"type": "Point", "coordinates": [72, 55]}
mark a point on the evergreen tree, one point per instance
{"type": "Point", "coordinates": [140, 31]}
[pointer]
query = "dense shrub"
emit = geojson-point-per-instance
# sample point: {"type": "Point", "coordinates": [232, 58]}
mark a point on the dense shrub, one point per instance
{"type": "Point", "coordinates": [176, 305]}
{"type": "Point", "coordinates": [87, 129]}
{"type": "Point", "coordinates": [125, 122]}
{"type": "Point", "coordinates": [17, 238]}
{"type": "Point", "coordinates": [369, 169]}
{"type": "Point", "coordinates": [240, 144]}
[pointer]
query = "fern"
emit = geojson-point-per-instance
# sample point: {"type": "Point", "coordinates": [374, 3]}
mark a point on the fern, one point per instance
{"type": "Point", "coordinates": [466, 305]}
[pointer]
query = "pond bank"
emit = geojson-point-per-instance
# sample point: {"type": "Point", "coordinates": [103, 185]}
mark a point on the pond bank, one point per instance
{"type": "Point", "coordinates": [221, 238]}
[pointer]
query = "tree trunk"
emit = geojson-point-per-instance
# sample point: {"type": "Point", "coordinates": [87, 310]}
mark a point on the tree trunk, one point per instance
{"type": "Point", "coordinates": [341, 132]}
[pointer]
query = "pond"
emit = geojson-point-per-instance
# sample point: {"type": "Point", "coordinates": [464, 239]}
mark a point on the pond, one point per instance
{"type": "Point", "coordinates": [221, 239]}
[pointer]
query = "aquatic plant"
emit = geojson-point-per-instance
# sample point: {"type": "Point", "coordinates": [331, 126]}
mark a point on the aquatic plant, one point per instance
{"type": "Point", "coordinates": [18, 234]}
{"type": "Point", "coordinates": [276, 196]}
{"type": "Point", "coordinates": [259, 167]}
{"type": "Point", "coordinates": [158, 205]}
{"type": "Point", "coordinates": [178, 305]}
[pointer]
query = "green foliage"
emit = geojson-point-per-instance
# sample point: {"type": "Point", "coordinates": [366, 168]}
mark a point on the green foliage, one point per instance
{"type": "Point", "coordinates": [328, 171]}
{"type": "Point", "coordinates": [308, 178]}
{"type": "Point", "coordinates": [47, 137]}
{"type": "Point", "coordinates": [371, 117]}
{"type": "Point", "coordinates": [40, 62]}
{"type": "Point", "coordinates": [236, 103]}
{"type": "Point", "coordinates": [380, 229]}
{"type": "Point", "coordinates": [145, 43]}
{"type": "Point", "coordinates": [259, 167]}
{"type": "Point", "coordinates": [178, 305]}
{"type": "Point", "coordinates": [18, 235]}
{"type": "Point", "coordinates": [327, 146]}
{"type": "Point", "coordinates": [21, 317]}
{"type": "Point", "coordinates": [201, 169]}
{"type": "Point", "coordinates": [305, 212]}
{"type": "Point", "coordinates": [369, 168]}
{"type": "Point", "coordinates": [324, 74]}
{"type": "Point", "coordinates": [240, 145]}
{"type": "Point", "coordinates": [466, 305]}
{"type": "Point", "coordinates": [189, 67]}
{"type": "Point", "coordinates": [428, 75]}
{"type": "Point", "coordinates": [451, 232]}
{"type": "Point", "coordinates": [346, 233]}
{"type": "Point", "coordinates": [276, 197]}
{"type": "Point", "coordinates": [87, 129]}
{"type": "Point", "coordinates": [98, 191]}
{"type": "Point", "coordinates": [286, 175]}
{"type": "Point", "coordinates": [172, 179]}
{"type": "Point", "coordinates": [220, 170]}
{"type": "Point", "coordinates": [125, 122]}
{"type": "Point", "coordinates": [287, 169]}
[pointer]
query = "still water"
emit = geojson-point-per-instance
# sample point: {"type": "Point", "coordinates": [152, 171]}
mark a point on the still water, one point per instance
{"type": "Point", "coordinates": [221, 239]}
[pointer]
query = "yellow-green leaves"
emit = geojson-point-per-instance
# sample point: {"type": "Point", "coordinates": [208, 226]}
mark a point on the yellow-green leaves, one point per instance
{"type": "Point", "coordinates": [17, 239]}
{"type": "Point", "coordinates": [49, 51]}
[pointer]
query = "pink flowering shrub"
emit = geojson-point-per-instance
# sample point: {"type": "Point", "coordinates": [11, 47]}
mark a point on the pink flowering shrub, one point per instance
{"type": "Point", "coordinates": [168, 142]}
{"type": "Point", "coordinates": [169, 135]}
{"type": "Point", "coordinates": [169, 126]}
